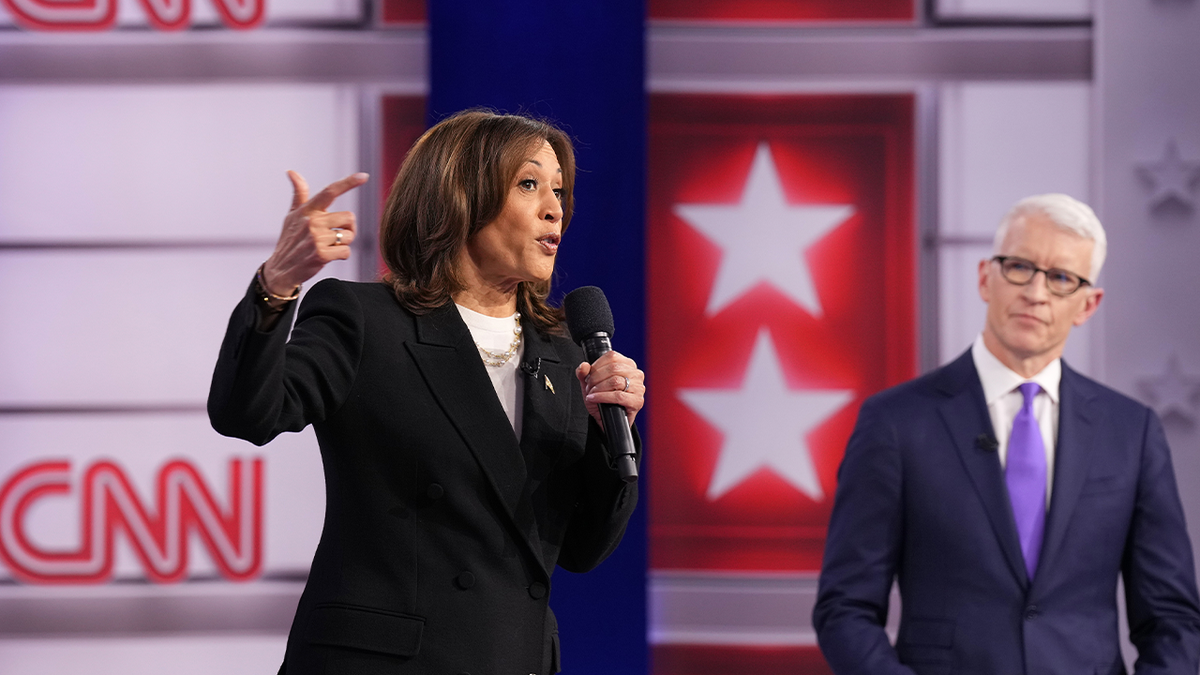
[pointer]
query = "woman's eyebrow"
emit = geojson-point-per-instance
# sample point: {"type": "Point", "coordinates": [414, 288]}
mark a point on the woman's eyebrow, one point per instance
{"type": "Point", "coordinates": [534, 161]}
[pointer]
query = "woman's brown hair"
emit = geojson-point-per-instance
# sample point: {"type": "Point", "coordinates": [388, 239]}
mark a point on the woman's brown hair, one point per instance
{"type": "Point", "coordinates": [453, 182]}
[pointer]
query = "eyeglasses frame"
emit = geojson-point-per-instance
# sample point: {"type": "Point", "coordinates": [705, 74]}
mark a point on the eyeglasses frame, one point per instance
{"type": "Point", "coordinates": [1001, 258]}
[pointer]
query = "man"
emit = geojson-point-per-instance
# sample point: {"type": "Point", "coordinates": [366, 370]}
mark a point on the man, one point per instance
{"type": "Point", "coordinates": [1006, 493]}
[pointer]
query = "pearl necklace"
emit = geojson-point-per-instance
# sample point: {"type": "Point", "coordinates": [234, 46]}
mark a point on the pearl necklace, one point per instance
{"type": "Point", "coordinates": [497, 359]}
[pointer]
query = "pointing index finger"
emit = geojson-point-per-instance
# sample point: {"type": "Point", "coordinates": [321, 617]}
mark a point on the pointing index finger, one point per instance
{"type": "Point", "coordinates": [325, 197]}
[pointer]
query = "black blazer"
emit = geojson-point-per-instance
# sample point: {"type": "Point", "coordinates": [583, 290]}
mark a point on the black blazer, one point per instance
{"type": "Point", "coordinates": [441, 530]}
{"type": "Point", "coordinates": [921, 499]}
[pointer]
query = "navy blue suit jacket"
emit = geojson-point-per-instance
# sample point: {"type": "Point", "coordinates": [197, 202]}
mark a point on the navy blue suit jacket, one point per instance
{"type": "Point", "coordinates": [920, 499]}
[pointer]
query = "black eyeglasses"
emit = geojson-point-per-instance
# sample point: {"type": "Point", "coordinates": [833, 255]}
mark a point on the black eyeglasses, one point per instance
{"type": "Point", "coordinates": [1020, 271]}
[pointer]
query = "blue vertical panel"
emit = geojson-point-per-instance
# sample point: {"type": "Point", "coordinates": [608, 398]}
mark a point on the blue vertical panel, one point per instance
{"type": "Point", "coordinates": [581, 64]}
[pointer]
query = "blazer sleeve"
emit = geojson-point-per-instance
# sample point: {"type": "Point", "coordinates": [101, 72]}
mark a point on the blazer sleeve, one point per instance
{"type": "Point", "coordinates": [1160, 583]}
{"type": "Point", "coordinates": [862, 552]}
{"type": "Point", "coordinates": [265, 383]}
{"type": "Point", "coordinates": [605, 504]}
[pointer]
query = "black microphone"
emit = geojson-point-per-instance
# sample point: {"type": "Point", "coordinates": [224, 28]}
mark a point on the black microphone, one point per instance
{"type": "Point", "coordinates": [987, 443]}
{"type": "Point", "coordinates": [591, 324]}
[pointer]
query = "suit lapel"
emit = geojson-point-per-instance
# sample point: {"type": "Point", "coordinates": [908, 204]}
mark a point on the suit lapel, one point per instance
{"type": "Point", "coordinates": [449, 361]}
{"type": "Point", "coordinates": [547, 406]}
{"type": "Point", "coordinates": [965, 415]}
{"type": "Point", "coordinates": [1076, 437]}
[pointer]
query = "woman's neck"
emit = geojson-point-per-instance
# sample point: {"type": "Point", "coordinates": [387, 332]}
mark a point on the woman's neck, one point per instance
{"type": "Point", "coordinates": [488, 300]}
{"type": "Point", "coordinates": [488, 295]}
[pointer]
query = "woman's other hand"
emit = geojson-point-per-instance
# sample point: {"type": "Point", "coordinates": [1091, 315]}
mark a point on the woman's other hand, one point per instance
{"type": "Point", "coordinates": [311, 235]}
{"type": "Point", "coordinates": [613, 378]}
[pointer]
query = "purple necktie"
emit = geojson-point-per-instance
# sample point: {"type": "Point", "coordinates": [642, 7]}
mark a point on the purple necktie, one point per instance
{"type": "Point", "coordinates": [1025, 475]}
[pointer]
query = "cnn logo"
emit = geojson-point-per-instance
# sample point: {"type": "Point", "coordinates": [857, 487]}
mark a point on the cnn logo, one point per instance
{"type": "Point", "coordinates": [78, 15]}
{"type": "Point", "coordinates": [158, 534]}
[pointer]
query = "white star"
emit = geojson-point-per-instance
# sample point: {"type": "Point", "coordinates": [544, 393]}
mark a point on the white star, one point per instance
{"type": "Point", "coordinates": [765, 424]}
{"type": "Point", "coordinates": [763, 238]}
{"type": "Point", "coordinates": [1171, 178]}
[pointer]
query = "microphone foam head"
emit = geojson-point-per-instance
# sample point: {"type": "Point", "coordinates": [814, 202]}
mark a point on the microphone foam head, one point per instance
{"type": "Point", "coordinates": [587, 313]}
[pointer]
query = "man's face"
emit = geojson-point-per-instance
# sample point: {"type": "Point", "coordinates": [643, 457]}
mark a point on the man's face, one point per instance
{"type": "Point", "coordinates": [1028, 325]}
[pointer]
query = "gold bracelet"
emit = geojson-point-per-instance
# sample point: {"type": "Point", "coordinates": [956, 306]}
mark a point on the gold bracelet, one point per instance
{"type": "Point", "coordinates": [267, 295]}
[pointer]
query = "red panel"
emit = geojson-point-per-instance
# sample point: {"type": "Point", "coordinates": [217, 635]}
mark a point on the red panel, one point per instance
{"type": "Point", "coordinates": [402, 122]}
{"type": "Point", "coordinates": [783, 10]}
{"type": "Point", "coordinates": [828, 150]}
{"type": "Point", "coordinates": [696, 660]}
{"type": "Point", "coordinates": [402, 12]}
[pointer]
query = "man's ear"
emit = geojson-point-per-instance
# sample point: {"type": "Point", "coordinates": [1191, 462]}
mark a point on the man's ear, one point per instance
{"type": "Point", "coordinates": [1089, 306]}
{"type": "Point", "coordinates": [984, 291]}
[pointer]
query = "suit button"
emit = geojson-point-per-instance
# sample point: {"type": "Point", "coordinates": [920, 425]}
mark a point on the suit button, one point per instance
{"type": "Point", "coordinates": [465, 580]}
{"type": "Point", "coordinates": [537, 590]}
{"type": "Point", "coordinates": [1031, 612]}
{"type": "Point", "coordinates": [434, 491]}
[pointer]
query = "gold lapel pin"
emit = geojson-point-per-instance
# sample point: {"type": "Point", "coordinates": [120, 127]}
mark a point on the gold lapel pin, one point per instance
{"type": "Point", "coordinates": [548, 385]}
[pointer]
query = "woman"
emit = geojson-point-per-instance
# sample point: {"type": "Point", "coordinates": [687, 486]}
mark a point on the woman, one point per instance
{"type": "Point", "coordinates": [461, 463]}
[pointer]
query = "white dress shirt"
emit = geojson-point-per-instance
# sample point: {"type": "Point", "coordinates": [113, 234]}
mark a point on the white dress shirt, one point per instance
{"type": "Point", "coordinates": [495, 335]}
{"type": "Point", "coordinates": [1004, 401]}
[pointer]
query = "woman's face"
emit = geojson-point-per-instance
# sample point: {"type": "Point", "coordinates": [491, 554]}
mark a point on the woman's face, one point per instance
{"type": "Point", "coordinates": [520, 244]}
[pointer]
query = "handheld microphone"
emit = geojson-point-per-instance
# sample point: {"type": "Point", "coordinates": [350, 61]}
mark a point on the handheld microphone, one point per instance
{"type": "Point", "coordinates": [591, 324]}
{"type": "Point", "coordinates": [986, 443]}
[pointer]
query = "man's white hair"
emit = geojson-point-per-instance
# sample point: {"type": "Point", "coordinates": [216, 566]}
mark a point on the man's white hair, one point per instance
{"type": "Point", "coordinates": [1066, 212]}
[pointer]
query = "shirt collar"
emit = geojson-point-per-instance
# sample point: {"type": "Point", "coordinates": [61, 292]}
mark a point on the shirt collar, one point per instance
{"type": "Point", "coordinates": [998, 379]}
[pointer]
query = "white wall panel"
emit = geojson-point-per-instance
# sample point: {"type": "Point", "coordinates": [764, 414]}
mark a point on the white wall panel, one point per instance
{"type": "Point", "coordinates": [1015, 9]}
{"type": "Point", "coordinates": [1000, 142]}
{"type": "Point", "coordinates": [961, 311]}
{"type": "Point", "coordinates": [128, 327]}
{"type": "Point", "coordinates": [144, 656]}
{"type": "Point", "coordinates": [167, 162]}
{"type": "Point", "coordinates": [203, 13]}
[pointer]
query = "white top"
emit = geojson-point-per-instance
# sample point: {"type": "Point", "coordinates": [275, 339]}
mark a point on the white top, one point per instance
{"type": "Point", "coordinates": [496, 334]}
{"type": "Point", "coordinates": [1004, 402]}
